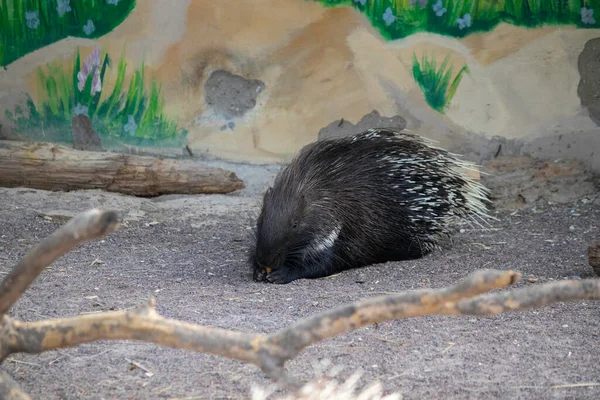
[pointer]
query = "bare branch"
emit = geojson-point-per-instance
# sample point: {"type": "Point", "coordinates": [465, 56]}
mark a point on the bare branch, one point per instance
{"type": "Point", "coordinates": [528, 297]}
{"type": "Point", "coordinates": [86, 226]}
{"type": "Point", "coordinates": [143, 323]}
{"type": "Point", "coordinates": [409, 304]}
{"type": "Point", "coordinates": [272, 351]}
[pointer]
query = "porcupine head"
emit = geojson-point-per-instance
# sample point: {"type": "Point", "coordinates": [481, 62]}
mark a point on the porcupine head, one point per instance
{"type": "Point", "coordinates": [295, 232]}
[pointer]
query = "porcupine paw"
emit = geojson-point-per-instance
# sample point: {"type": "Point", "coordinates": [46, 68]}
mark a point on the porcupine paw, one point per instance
{"type": "Point", "coordinates": [281, 276]}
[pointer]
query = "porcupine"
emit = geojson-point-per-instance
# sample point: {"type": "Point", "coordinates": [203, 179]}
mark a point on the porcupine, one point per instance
{"type": "Point", "coordinates": [377, 196]}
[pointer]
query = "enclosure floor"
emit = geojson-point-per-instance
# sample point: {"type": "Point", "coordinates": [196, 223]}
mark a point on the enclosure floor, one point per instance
{"type": "Point", "coordinates": [190, 251]}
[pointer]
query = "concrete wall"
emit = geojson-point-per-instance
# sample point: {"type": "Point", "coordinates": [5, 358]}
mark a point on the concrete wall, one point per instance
{"type": "Point", "coordinates": [255, 80]}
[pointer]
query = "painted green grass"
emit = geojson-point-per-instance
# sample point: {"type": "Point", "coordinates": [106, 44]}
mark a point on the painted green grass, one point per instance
{"type": "Point", "coordinates": [459, 18]}
{"type": "Point", "coordinates": [436, 83]}
{"type": "Point", "coordinates": [129, 114]}
{"type": "Point", "coordinates": [27, 25]}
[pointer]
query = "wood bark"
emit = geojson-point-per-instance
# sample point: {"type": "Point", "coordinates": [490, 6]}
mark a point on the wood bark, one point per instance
{"type": "Point", "coordinates": [594, 257]}
{"type": "Point", "coordinates": [469, 296]}
{"type": "Point", "coordinates": [9, 389]}
{"type": "Point", "coordinates": [55, 167]}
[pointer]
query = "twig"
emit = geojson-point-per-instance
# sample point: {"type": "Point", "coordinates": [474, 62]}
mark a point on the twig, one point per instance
{"type": "Point", "coordinates": [86, 226]}
{"type": "Point", "coordinates": [140, 366]}
{"type": "Point", "coordinates": [22, 362]}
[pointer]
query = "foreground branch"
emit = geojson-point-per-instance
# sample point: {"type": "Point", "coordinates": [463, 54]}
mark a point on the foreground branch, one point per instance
{"type": "Point", "coordinates": [270, 352]}
{"type": "Point", "coordinates": [9, 389]}
{"type": "Point", "coordinates": [469, 296]}
{"type": "Point", "coordinates": [86, 226]}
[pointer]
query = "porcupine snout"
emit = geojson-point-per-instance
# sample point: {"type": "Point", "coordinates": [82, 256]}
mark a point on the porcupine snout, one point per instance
{"type": "Point", "coordinates": [265, 262]}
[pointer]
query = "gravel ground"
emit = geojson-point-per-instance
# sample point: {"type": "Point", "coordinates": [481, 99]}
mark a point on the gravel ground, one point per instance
{"type": "Point", "coordinates": [190, 251]}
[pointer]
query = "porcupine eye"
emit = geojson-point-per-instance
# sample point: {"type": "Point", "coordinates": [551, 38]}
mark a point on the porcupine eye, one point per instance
{"type": "Point", "coordinates": [294, 224]}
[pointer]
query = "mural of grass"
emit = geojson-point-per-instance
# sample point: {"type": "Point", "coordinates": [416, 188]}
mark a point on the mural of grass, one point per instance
{"type": "Point", "coordinates": [435, 82]}
{"type": "Point", "coordinates": [400, 18]}
{"type": "Point", "coordinates": [27, 25]}
{"type": "Point", "coordinates": [127, 115]}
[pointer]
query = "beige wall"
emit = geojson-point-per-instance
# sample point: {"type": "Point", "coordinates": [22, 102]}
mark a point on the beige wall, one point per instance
{"type": "Point", "coordinates": [302, 66]}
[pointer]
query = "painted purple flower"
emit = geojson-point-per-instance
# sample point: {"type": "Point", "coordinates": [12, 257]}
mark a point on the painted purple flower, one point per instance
{"type": "Point", "coordinates": [63, 7]}
{"type": "Point", "coordinates": [91, 65]}
{"type": "Point", "coordinates": [587, 16]}
{"type": "Point", "coordinates": [422, 3]}
{"type": "Point", "coordinates": [388, 16]}
{"type": "Point", "coordinates": [32, 19]}
{"type": "Point", "coordinates": [439, 8]}
{"type": "Point", "coordinates": [464, 22]}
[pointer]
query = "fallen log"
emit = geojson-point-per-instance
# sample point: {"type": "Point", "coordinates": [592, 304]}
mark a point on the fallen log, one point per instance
{"type": "Point", "coordinates": [55, 167]}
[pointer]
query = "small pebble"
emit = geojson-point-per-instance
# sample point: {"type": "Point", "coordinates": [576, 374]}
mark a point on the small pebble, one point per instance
{"type": "Point", "coordinates": [571, 228]}
{"type": "Point", "coordinates": [315, 303]}
{"type": "Point", "coordinates": [575, 277]}
{"type": "Point", "coordinates": [532, 280]}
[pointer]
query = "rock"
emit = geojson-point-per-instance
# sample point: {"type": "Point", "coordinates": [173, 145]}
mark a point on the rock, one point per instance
{"type": "Point", "coordinates": [84, 136]}
{"type": "Point", "coordinates": [588, 89]}
{"type": "Point", "coordinates": [231, 95]}
{"type": "Point", "coordinates": [342, 128]}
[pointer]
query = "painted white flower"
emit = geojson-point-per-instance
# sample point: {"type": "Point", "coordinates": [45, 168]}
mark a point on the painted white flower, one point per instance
{"type": "Point", "coordinates": [89, 28]}
{"type": "Point", "coordinates": [130, 127]}
{"type": "Point", "coordinates": [63, 7]}
{"type": "Point", "coordinates": [32, 19]}
{"type": "Point", "coordinates": [388, 16]}
{"type": "Point", "coordinates": [464, 22]}
{"type": "Point", "coordinates": [113, 2]}
{"type": "Point", "coordinates": [362, 2]}
{"type": "Point", "coordinates": [81, 109]}
{"type": "Point", "coordinates": [587, 16]}
{"type": "Point", "coordinates": [439, 8]}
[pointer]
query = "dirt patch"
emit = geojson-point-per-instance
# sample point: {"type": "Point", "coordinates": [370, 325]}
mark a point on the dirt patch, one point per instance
{"type": "Point", "coordinates": [523, 181]}
{"type": "Point", "coordinates": [190, 251]}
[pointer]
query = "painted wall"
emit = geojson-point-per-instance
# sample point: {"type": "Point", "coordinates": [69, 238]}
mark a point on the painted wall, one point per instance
{"type": "Point", "coordinates": [256, 80]}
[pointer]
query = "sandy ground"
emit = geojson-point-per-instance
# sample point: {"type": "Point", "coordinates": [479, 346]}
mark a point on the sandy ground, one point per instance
{"type": "Point", "coordinates": [190, 252]}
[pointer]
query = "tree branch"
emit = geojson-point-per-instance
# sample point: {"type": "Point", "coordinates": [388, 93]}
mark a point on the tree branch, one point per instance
{"type": "Point", "coordinates": [143, 323]}
{"type": "Point", "coordinates": [9, 389]}
{"type": "Point", "coordinates": [86, 226]}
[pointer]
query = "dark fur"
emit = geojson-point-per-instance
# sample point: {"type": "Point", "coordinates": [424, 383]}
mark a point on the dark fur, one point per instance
{"type": "Point", "coordinates": [344, 186]}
